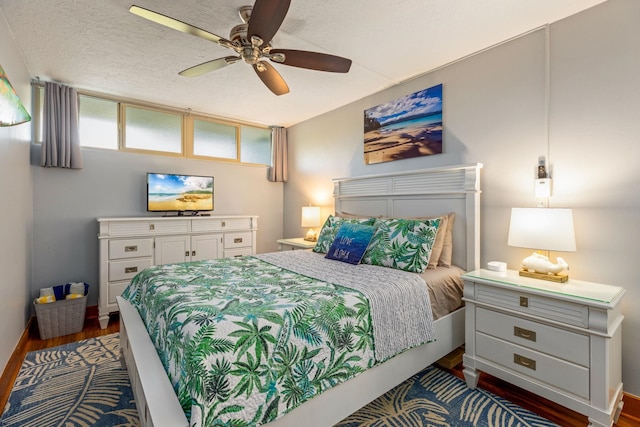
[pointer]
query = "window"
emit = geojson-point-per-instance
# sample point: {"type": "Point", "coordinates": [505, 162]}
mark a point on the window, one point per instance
{"type": "Point", "coordinates": [98, 125]}
{"type": "Point", "coordinates": [212, 139]}
{"type": "Point", "coordinates": [255, 145]}
{"type": "Point", "coordinates": [108, 123]}
{"type": "Point", "coordinates": [152, 130]}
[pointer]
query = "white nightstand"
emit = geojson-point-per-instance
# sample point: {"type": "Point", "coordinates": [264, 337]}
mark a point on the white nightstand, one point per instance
{"type": "Point", "coordinates": [562, 341]}
{"type": "Point", "coordinates": [295, 243]}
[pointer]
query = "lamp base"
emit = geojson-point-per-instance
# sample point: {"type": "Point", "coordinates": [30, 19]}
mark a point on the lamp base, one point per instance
{"type": "Point", "coordinates": [558, 278]}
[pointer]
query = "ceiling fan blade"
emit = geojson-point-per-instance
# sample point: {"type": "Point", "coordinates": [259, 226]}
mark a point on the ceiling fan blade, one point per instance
{"type": "Point", "coordinates": [271, 78]}
{"type": "Point", "coordinates": [167, 21]}
{"type": "Point", "coordinates": [313, 60]}
{"type": "Point", "coordinates": [209, 66]}
{"type": "Point", "coordinates": [266, 18]}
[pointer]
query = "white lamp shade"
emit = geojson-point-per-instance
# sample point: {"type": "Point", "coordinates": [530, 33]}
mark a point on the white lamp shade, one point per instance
{"type": "Point", "coordinates": [310, 216]}
{"type": "Point", "coordinates": [548, 229]}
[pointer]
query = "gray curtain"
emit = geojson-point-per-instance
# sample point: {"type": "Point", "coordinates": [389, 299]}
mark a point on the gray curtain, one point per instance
{"type": "Point", "coordinates": [279, 171]}
{"type": "Point", "coordinates": [61, 143]}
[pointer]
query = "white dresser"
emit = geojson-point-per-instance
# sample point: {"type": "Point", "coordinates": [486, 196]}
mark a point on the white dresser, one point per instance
{"type": "Point", "coordinates": [562, 341]}
{"type": "Point", "coordinates": [129, 245]}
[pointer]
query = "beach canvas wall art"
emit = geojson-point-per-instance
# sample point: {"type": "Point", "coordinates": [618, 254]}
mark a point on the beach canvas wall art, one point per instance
{"type": "Point", "coordinates": [407, 127]}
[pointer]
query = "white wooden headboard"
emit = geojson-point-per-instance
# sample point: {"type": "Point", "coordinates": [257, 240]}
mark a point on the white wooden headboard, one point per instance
{"type": "Point", "coordinates": [423, 192]}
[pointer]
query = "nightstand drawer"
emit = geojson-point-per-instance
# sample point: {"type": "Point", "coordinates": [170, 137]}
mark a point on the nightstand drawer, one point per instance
{"type": "Point", "coordinates": [537, 366]}
{"type": "Point", "coordinates": [555, 342]}
{"type": "Point", "coordinates": [535, 305]}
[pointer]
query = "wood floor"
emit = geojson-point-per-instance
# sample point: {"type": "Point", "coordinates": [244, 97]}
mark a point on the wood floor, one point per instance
{"type": "Point", "coordinates": [31, 341]}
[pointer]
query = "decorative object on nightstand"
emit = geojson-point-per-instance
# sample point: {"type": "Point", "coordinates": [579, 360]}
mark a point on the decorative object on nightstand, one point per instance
{"type": "Point", "coordinates": [561, 341]}
{"type": "Point", "coordinates": [311, 218]}
{"type": "Point", "coordinates": [548, 229]}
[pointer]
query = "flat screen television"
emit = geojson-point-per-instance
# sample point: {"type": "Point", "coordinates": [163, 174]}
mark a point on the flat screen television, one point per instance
{"type": "Point", "coordinates": [179, 193]}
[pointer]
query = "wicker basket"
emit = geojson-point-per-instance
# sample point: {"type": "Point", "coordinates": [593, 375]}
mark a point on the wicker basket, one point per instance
{"type": "Point", "coordinates": [61, 317]}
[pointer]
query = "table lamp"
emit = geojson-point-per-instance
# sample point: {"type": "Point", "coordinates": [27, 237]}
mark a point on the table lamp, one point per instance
{"type": "Point", "coordinates": [548, 229]}
{"type": "Point", "coordinates": [311, 218]}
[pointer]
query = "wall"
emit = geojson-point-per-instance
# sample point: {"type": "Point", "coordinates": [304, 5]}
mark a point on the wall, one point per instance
{"type": "Point", "coordinates": [113, 184]}
{"type": "Point", "coordinates": [16, 217]}
{"type": "Point", "coordinates": [494, 113]}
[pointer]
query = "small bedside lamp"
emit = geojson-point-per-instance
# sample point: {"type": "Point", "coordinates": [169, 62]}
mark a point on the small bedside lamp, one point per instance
{"type": "Point", "coordinates": [546, 229]}
{"type": "Point", "coordinates": [311, 218]}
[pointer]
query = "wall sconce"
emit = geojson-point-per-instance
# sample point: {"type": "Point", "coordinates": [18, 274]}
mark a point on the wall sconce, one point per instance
{"type": "Point", "coordinates": [546, 229]}
{"type": "Point", "coordinates": [542, 185]}
{"type": "Point", "coordinates": [542, 188]}
{"type": "Point", "coordinates": [311, 218]}
{"type": "Point", "coordinates": [12, 112]}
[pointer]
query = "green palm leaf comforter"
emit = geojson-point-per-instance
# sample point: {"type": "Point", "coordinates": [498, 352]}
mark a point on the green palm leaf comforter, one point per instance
{"type": "Point", "coordinates": [245, 341]}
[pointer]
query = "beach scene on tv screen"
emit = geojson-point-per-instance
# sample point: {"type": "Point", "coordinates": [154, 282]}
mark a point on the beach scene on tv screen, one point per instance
{"type": "Point", "coordinates": [179, 193]}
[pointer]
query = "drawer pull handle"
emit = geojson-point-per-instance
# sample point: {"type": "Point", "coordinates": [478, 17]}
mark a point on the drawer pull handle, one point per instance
{"type": "Point", "coordinates": [131, 249]}
{"type": "Point", "coordinates": [224, 224]}
{"type": "Point", "coordinates": [524, 333]}
{"type": "Point", "coordinates": [524, 302]}
{"type": "Point", "coordinates": [237, 240]}
{"type": "Point", "coordinates": [524, 361]}
{"type": "Point", "coordinates": [152, 227]}
{"type": "Point", "coordinates": [238, 256]}
{"type": "Point", "coordinates": [130, 269]}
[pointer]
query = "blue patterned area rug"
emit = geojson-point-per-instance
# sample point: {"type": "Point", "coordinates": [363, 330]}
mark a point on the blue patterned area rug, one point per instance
{"type": "Point", "coordinates": [84, 384]}
{"type": "Point", "coordinates": [77, 384]}
{"type": "Point", "coordinates": [436, 398]}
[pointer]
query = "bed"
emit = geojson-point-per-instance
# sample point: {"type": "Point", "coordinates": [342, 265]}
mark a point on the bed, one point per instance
{"type": "Point", "coordinates": [409, 194]}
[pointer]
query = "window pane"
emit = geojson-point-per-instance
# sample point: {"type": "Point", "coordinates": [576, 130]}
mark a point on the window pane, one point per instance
{"type": "Point", "coordinates": [255, 145]}
{"type": "Point", "coordinates": [153, 130]}
{"type": "Point", "coordinates": [98, 122]}
{"type": "Point", "coordinates": [214, 140]}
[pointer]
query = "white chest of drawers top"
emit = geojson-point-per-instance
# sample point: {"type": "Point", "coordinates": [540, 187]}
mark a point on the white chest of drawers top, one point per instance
{"type": "Point", "coordinates": [559, 340]}
{"type": "Point", "coordinates": [129, 245]}
{"type": "Point", "coordinates": [155, 226]}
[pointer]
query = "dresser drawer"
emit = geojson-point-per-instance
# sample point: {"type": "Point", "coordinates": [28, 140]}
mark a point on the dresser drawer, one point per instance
{"type": "Point", "coordinates": [116, 289]}
{"type": "Point", "coordinates": [220, 224]}
{"type": "Point", "coordinates": [150, 227]}
{"type": "Point", "coordinates": [535, 305]}
{"type": "Point", "coordinates": [238, 252]}
{"type": "Point", "coordinates": [126, 269]}
{"type": "Point", "coordinates": [537, 366]}
{"type": "Point", "coordinates": [130, 248]}
{"type": "Point", "coordinates": [237, 240]}
{"type": "Point", "coordinates": [570, 346]}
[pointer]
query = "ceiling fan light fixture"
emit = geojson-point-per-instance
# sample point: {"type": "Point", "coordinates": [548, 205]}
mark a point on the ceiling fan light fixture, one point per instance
{"type": "Point", "coordinates": [251, 41]}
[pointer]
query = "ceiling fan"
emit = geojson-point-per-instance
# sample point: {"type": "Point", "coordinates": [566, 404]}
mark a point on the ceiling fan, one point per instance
{"type": "Point", "coordinates": [251, 42]}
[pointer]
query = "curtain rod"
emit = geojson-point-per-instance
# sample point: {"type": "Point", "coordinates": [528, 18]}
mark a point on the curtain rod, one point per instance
{"type": "Point", "coordinates": [186, 111]}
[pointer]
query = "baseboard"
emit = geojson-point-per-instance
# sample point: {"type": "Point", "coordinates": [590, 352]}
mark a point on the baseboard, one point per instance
{"type": "Point", "coordinates": [14, 363]}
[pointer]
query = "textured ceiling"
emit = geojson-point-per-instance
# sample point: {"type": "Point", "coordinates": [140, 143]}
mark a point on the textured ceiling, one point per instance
{"type": "Point", "coordinates": [100, 46]}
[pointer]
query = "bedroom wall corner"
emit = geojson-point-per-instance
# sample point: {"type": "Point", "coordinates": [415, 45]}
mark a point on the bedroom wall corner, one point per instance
{"type": "Point", "coordinates": [495, 114]}
{"type": "Point", "coordinates": [16, 218]}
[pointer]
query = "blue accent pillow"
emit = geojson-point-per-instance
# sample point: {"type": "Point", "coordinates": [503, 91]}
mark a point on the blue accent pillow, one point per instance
{"type": "Point", "coordinates": [330, 228]}
{"type": "Point", "coordinates": [350, 243]}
